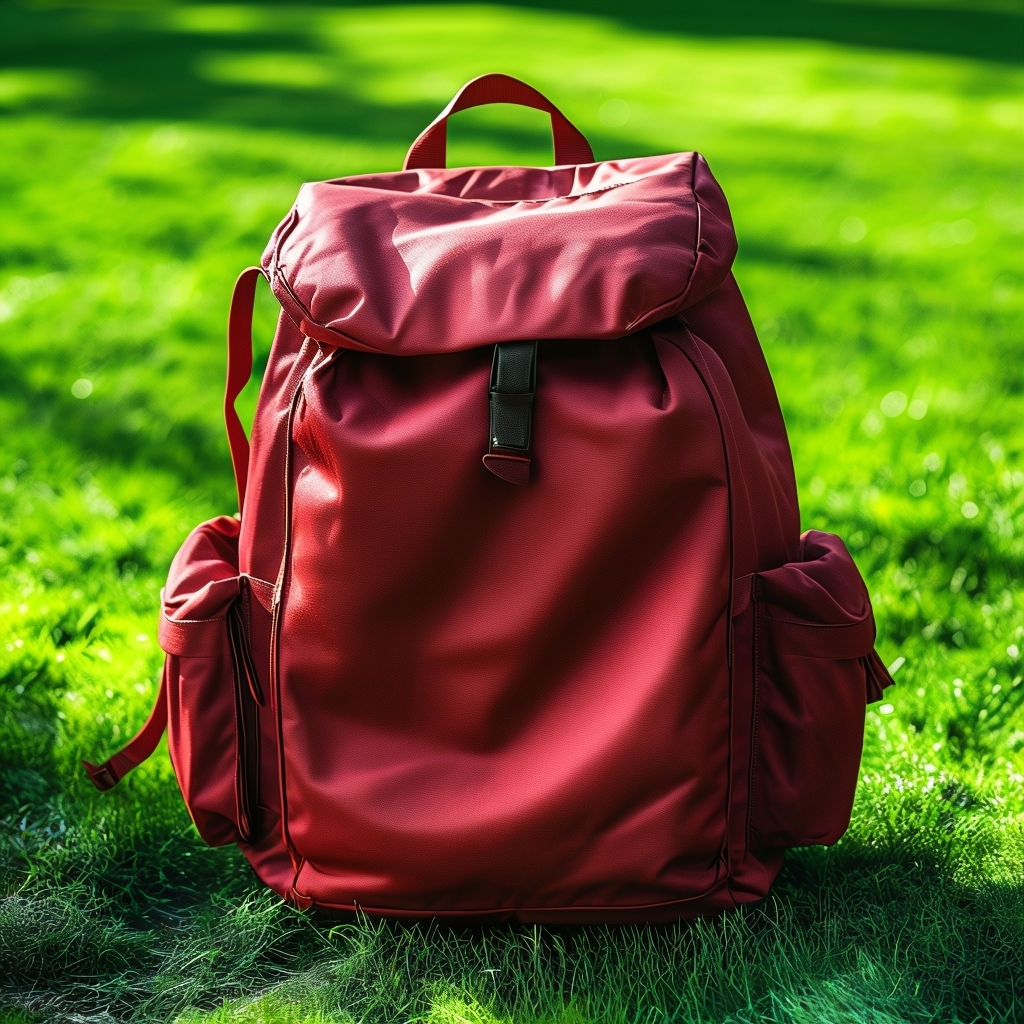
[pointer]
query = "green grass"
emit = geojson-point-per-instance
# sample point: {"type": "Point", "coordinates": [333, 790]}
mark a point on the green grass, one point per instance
{"type": "Point", "coordinates": [871, 155]}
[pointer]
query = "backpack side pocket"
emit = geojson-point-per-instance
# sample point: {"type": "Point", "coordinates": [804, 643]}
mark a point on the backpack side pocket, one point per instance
{"type": "Point", "coordinates": [213, 695]}
{"type": "Point", "coordinates": [815, 668]}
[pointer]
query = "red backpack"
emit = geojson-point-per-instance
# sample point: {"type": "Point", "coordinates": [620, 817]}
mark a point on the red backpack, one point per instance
{"type": "Point", "coordinates": [517, 620]}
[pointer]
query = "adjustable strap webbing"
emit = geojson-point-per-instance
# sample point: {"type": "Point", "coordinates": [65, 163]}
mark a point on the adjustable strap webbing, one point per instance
{"type": "Point", "coordinates": [110, 773]}
{"type": "Point", "coordinates": [239, 371]}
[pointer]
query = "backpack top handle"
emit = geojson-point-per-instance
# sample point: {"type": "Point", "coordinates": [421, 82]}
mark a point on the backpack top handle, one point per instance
{"type": "Point", "coordinates": [431, 147]}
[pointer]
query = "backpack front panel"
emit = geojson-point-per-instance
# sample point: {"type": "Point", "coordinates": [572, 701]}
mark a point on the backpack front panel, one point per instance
{"type": "Point", "coordinates": [495, 697]}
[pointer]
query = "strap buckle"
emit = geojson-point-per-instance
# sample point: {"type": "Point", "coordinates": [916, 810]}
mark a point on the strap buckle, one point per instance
{"type": "Point", "coordinates": [513, 388]}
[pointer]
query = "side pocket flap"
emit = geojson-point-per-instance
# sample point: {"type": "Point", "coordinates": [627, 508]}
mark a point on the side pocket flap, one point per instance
{"type": "Point", "coordinates": [202, 584]}
{"type": "Point", "coordinates": [200, 638]}
{"type": "Point", "coordinates": [818, 607]}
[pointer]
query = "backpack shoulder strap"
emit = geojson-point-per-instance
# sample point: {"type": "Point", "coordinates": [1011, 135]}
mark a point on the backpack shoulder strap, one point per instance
{"type": "Point", "coordinates": [115, 768]}
{"type": "Point", "coordinates": [110, 772]}
{"type": "Point", "coordinates": [239, 371]}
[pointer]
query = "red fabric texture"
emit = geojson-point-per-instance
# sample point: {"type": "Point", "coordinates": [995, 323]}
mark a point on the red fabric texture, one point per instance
{"type": "Point", "coordinates": [616, 692]}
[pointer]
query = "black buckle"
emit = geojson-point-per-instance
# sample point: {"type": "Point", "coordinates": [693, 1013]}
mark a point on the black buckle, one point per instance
{"type": "Point", "coordinates": [512, 390]}
{"type": "Point", "coordinates": [103, 776]}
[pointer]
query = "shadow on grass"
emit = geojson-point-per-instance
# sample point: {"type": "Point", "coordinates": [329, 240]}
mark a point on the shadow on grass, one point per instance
{"type": "Point", "coordinates": [953, 938]}
{"type": "Point", "coordinates": [889, 935]}
{"type": "Point", "coordinates": [139, 65]}
{"type": "Point", "coordinates": [146, 64]}
{"type": "Point", "coordinates": [193, 452]}
{"type": "Point", "coordinates": [30, 694]}
{"type": "Point", "coordinates": [920, 28]}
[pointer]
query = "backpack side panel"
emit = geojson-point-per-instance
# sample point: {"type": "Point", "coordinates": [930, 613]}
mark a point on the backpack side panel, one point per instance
{"type": "Point", "coordinates": [802, 626]}
{"type": "Point", "coordinates": [759, 536]}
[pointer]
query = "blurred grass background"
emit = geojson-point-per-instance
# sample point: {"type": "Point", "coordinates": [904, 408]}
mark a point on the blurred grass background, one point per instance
{"type": "Point", "coordinates": [871, 154]}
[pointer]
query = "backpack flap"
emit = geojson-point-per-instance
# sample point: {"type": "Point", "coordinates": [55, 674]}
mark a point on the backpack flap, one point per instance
{"type": "Point", "coordinates": [440, 260]}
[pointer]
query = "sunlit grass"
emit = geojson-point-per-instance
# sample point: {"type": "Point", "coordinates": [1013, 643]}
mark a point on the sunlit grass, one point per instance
{"type": "Point", "coordinates": [147, 152]}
